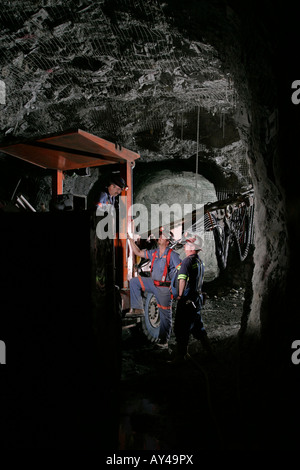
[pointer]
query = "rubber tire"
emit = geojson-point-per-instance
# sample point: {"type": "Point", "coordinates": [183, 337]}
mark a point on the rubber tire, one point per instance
{"type": "Point", "coordinates": [150, 325]}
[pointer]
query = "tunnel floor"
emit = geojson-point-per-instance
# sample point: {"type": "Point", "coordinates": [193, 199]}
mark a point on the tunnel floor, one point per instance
{"type": "Point", "coordinates": [188, 407]}
{"type": "Point", "coordinates": [232, 402]}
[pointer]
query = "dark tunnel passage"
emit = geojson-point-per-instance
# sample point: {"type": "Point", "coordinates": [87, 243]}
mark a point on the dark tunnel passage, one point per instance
{"type": "Point", "coordinates": [201, 92]}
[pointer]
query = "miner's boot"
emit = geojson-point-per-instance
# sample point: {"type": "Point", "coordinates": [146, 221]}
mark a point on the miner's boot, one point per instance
{"type": "Point", "coordinates": [180, 356]}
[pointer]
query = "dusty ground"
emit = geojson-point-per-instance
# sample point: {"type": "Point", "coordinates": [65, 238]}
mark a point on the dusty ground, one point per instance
{"type": "Point", "coordinates": [244, 399]}
{"type": "Point", "coordinates": [195, 406]}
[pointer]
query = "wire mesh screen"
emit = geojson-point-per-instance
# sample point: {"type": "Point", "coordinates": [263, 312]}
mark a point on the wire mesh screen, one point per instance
{"type": "Point", "coordinates": [113, 67]}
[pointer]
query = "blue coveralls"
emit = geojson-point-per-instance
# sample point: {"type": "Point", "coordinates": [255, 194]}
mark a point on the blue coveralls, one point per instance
{"type": "Point", "coordinates": [188, 319]}
{"type": "Point", "coordinates": [162, 293]}
{"type": "Point", "coordinates": [106, 198]}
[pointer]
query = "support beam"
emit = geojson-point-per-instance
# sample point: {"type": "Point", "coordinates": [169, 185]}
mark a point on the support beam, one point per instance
{"type": "Point", "coordinates": [57, 183]}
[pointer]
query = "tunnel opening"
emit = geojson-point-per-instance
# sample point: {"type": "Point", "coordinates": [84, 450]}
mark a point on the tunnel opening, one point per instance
{"type": "Point", "coordinates": [175, 180]}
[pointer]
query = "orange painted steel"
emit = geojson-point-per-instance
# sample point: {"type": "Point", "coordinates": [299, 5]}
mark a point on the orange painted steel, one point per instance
{"type": "Point", "coordinates": [77, 149]}
{"type": "Point", "coordinates": [57, 182]}
{"type": "Point", "coordinates": [70, 151]}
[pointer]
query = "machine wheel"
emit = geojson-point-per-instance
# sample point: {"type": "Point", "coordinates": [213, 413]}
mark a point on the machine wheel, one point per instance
{"type": "Point", "coordinates": [151, 320]}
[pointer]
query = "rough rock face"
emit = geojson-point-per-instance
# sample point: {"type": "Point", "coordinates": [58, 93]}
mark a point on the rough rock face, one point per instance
{"type": "Point", "coordinates": [119, 69]}
{"type": "Point", "coordinates": [168, 80]}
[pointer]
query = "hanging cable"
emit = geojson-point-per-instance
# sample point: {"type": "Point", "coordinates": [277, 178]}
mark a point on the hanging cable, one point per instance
{"type": "Point", "coordinates": [198, 132]}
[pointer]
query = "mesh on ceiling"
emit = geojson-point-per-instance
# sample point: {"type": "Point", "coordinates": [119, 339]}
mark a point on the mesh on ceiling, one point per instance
{"type": "Point", "coordinates": [103, 61]}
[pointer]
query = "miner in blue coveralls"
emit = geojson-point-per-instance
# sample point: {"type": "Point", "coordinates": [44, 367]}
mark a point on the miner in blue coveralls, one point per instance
{"type": "Point", "coordinates": [108, 196]}
{"type": "Point", "coordinates": [189, 297]}
{"type": "Point", "coordinates": [164, 261]}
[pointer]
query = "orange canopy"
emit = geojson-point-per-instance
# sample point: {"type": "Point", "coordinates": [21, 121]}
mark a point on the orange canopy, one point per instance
{"type": "Point", "coordinates": [70, 151]}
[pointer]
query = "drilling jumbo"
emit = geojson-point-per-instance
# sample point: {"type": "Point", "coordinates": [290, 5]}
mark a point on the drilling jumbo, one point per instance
{"type": "Point", "coordinates": [114, 263]}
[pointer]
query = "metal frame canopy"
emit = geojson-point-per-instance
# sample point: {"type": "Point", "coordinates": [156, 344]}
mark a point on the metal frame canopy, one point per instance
{"type": "Point", "coordinates": [77, 149]}
{"type": "Point", "coordinates": [70, 151]}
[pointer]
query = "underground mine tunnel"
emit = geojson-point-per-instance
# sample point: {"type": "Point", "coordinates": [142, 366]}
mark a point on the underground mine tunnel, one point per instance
{"type": "Point", "coordinates": [199, 95]}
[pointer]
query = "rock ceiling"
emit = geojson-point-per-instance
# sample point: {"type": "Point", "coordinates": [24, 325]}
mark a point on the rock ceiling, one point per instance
{"type": "Point", "coordinates": [119, 69]}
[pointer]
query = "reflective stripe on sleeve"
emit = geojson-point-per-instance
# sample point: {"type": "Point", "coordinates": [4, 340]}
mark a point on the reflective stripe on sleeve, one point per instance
{"type": "Point", "coordinates": [182, 276]}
